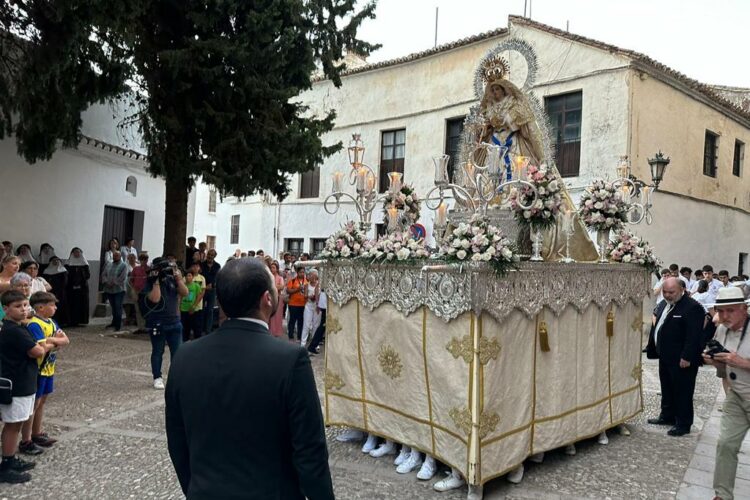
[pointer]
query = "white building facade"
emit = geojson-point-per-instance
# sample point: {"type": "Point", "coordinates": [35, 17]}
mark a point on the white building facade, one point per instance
{"type": "Point", "coordinates": [603, 102]}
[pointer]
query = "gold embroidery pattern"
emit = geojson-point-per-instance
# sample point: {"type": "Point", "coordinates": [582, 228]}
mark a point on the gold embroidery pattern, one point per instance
{"type": "Point", "coordinates": [461, 348]}
{"type": "Point", "coordinates": [390, 361]}
{"type": "Point", "coordinates": [637, 324]}
{"type": "Point", "coordinates": [636, 372]}
{"type": "Point", "coordinates": [487, 424]}
{"type": "Point", "coordinates": [332, 325]}
{"type": "Point", "coordinates": [462, 419]}
{"type": "Point", "coordinates": [333, 381]}
{"type": "Point", "coordinates": [488, 349]}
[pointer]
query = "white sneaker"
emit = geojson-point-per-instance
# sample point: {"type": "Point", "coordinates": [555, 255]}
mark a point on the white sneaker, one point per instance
{"type": "Point", "coordinates": [516, 475]}
{"type": "Point", "coordinates": [451, 482]}
{"type": "Point", "coordinates": [387, 448]}
{"type": "Point", "coordinates": [603, 439]}
{"type": "Point", "coordinates": [624, 431]}
{"type": "Point", "coordinates": [350, 435]}
{"type": "Point", "coordinates": [412, 463]}
{"type": "Point", "coordinates": [537, 458]}
{"type": "Point", "coordinates": [570, 450]}
{"type": "Point", "coordinates": [403, 455]}
{"type": "Point", "coordinates": [429, 467]}
{"type": "Point", "coordinates": [159, 383]}
{"type": "Point", "coordinates": [370, 444]}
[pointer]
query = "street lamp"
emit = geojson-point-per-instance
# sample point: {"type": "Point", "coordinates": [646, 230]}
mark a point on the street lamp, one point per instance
{"type": "Point", "coordinates": [632, 187]}
{"type": "Point", "coordinates": [658, 165]}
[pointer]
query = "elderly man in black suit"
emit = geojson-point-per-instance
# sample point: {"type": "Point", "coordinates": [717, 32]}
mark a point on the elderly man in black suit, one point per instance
{"type": "Point", "coordinates": [242, 412]}
{"type": "Point", "coordinates": [677, 341]}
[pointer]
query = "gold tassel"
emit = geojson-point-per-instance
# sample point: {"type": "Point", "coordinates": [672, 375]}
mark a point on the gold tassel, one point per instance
{"type": "Point", "coordinates": [543, 336]}
{"type": "Point", "coordinates": [610, 323]}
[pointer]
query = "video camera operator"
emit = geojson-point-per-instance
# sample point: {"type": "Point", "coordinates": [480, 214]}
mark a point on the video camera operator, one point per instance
{"type": "Point", "coordinates": [160, 307]}
{"type": "Point", "coordinates": [729, 351]}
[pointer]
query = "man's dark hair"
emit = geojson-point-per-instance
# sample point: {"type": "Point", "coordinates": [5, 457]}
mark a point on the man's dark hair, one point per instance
{"type": "Point", "coordinates": [724, 272]}
{"type": "Point", "coordinates": [42, 298]}
{"type": "Point", "coordinates": [702, 286]}
{"type": "Point", "coordinates": [6, 243]}
{"type": "Point", "coordinates": [12, 296]}
{"type": "Point", "coordinates": [673, 267]}
{"type": "Point", "coordinates": [192, 238]}
{"type": "Point", "coordinates": [28, 264]}
{"type": "Point", "coordinates": [251, 253]}
{"type": "Point", "coordinates": [684, 270]}
{"type": "Point", "coordinates": [708, 268]}
{"type": "Point", "coordinates": [698, 272]}
{"type": "Point", "coordinates": [239, 286]}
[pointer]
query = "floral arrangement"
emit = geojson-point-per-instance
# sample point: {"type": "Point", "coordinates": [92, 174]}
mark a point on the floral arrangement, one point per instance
{"type": "Point", "coordinates": [602, 206]}
{"type": "Point", "coordinates": [396, 246]}
{"type": "Point", "coordinates": [548, 202]}
{"type": "Point", "coordinates": [627, 247]}
{"type": "Point", "coordinates": [346, 243]}
{"type": "Point", "coordinates": [406, 200]}
{"type": "Point", "coordinates": [478, 241]}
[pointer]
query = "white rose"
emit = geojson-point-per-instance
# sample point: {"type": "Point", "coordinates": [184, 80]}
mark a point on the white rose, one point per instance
{"type": "Point", "coordinates": [465, 243]}
{"type": "Point", "coordinates": [456, 243]}
{"type": "Point", "coordinates": [598, 205]}
{"type": "Point", "coordinates": [403, 254]}
{"type": "Point", "coordinates": [491, 251]}
{"type": "Point", "coordinates": [487, 256]}
{"type": "Point", "coordinates": [626, 258]}
{"type": "Point", "coordinates": [461, 254]}
{"type": "Point", "coordinates": [452, 251]}
{"type": "Point", "coordinates": [506, 253]}
{"type": "Point", "coordinates": [476, 257]}
{"type": "Point", "coordinates": [357, 246]}
{"type": "Point", "coordinates": [346, 251]}
{"type": "Point", "coordinates": [542, 191]}
{"type": "Point", "coordinates": [526, 214]}
{"type": "Point", "coordinates": [552, 186]}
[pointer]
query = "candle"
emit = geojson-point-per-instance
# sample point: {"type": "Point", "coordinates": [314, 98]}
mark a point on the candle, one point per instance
{"type": "Point", "coordinates": [442, 212]}
{"type": "Point", "coordinates": [441, 169]}
{"type": "Point", "coordinates": [493, 161]}
{"type": "Point", "coordinates": [370, 183]}
{"type": "Point", "coordinates": [625, 192]}
{"type": "Point", "coordinates": [361, 176]}
{"type": "Point", "coordinates": [337, 182]}
{"type": "Point", "coordinates": [395, 178]}
{"type": "Point", "coordinates": [392, 217]}
{"type": "Point", "coordinates": [518, 166]}
{"type": "Point", "coordinates": [469, 169]}
{"type": "Point", "coordinates": [646, 195]}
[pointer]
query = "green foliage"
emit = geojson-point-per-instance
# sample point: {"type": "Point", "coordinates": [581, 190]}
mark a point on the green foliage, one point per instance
{"type": "Point", "coordinates": [213, 82]}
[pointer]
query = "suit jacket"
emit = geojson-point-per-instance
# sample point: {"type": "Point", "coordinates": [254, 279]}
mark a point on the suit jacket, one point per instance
{"type": "Point", "coordinates": [243, 418]}
{"type": "Point", "coordinates": [681, 335]}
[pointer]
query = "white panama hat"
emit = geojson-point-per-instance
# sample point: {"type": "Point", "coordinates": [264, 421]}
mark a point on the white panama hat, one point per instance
{"type": "Point", "coordinates": [729, 295]}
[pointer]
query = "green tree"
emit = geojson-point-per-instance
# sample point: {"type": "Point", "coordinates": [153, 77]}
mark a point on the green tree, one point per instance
{"type": "Point", "coordinates": [212, 84]}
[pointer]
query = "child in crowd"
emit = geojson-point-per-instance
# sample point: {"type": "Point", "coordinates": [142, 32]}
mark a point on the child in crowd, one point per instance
{"type": "Point", "coordinates": [187, 306]}
{"type": "Point", "coordinates": [198, 319]}
{"type": "Point", "coordinates": [46, 332]}
{"type": "Point", "coordinates": [18, 354]}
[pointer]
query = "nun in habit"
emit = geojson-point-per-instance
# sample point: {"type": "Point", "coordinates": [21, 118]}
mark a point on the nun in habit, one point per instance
{"type": "Point", "coordinates": [78, 288]}
{"type": "Point", "coordinates": [57, 276]}
{"type": "Point", "coordinates": [24, 253]}
{"type": "Point", "coordinates": [45, 254]}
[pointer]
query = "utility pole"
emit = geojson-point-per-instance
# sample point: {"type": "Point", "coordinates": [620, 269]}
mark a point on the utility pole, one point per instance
{"type": "Point", "coordinates": [525, 4]}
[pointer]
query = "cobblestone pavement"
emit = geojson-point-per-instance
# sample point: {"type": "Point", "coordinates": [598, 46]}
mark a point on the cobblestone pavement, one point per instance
{"type": "Point", "coordinates": [112, 444]}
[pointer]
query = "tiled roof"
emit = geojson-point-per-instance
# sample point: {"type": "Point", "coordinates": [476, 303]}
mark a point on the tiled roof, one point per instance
{"type": "Point", "coordinates": [644, 61]}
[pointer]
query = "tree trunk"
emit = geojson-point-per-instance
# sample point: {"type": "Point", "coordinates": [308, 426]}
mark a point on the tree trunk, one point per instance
{"type": "Point", "coordinates": [175, 216]}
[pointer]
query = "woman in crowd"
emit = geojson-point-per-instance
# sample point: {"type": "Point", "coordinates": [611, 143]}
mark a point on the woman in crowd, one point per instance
{"type": "Point", "coordinates": [276, 326]}
{"type": "Point", "coordinates": [38, 284]}
{"type": "Point", "coordinates": [8, 267]}
{"type": "Point", "coordinates": [24, 253]}
{"type": "Point", "coordinates": [702, 296]}
{"type": "Point", "coordinates": [129, 249]}
{"type": "Point", "coordinates": [112, 246]}
{"type": "Point", "coordinates": [21, 282]}
{"type": "Point", "coordinates": [45, 254]}
{"type": "Point", "coordinates": [57, 276]}
{"type": "Point", "coordinates": [77, 290]}
{"type": "Point", "coordinates": [311, 317]}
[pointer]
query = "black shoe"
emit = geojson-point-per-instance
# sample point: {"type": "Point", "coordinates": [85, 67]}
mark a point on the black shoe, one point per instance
{"type": "Point", "coordinates": [30, 448]}
{"type": "Point", "coordinates": [13, 476]}
{"type": "Point", "coordinates": [20, 465]}
{"type": "Point", "coordinates": [678, 431]}
{"type": "Point", "coordinates": [661, 421]}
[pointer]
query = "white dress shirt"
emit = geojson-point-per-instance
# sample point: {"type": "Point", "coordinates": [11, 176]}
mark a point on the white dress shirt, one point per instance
{"type": "Point", "coordinates": [254, 320]}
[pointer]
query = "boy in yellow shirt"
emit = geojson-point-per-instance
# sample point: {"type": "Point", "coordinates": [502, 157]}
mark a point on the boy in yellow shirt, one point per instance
{"type": "Point", "coordinates": [45, 331]}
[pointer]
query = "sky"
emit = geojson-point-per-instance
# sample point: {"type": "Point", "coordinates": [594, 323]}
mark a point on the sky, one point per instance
{"type": "Point", "coordinates": [705, 40]}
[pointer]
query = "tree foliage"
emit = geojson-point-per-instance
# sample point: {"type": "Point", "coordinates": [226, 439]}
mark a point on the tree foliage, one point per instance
{"type": "Point", "coordinates": [212, 82]}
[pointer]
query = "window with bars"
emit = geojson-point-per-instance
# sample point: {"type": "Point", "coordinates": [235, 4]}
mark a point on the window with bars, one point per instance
{"type": "Point", "coordinates": [392, 153]}
{"type": "Point", "coordinates": [212, 201]}
{"type": "Point", "coordinates": [309, 185]}
{"type": "Point", "coordinates": [234, 237]}
{"type": "Point", "coordinates": [739, 157]}
{"type": "Point", "coordinates": [565, 115]}
{"type": "Point", "coordinates": [294, 246]}
{"type": "Point", "coordinates": [210, 242]}
{"type": "Point", "coordinates": [454, 128]}
{"type": "Point", "coordinates": [710, 154]}
{"type": "Point", "coordinates": [316, 246]}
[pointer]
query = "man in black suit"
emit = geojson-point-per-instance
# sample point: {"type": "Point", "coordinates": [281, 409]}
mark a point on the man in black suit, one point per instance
{"type": "Point", "coordinates": [242, 410]}
{"type": "Point", "coordinates": [677, 341]}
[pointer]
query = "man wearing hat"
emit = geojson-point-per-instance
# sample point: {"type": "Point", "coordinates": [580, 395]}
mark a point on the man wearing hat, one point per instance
{"type": "Point", "coordinates": [735, 365]}
{"type": "Point", "coordinates": [677, 341]}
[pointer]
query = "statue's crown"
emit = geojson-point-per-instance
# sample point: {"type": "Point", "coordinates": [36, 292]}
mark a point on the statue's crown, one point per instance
{"type": "Point", "coordinates": [495, 68]}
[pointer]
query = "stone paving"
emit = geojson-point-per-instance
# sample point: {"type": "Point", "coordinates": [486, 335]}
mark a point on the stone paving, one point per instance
{"type": "Point", "coordinates": [112, 444]}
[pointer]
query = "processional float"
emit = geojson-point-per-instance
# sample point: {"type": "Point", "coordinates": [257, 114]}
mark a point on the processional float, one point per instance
{"type": "Point", "coordinates": [510, 336]}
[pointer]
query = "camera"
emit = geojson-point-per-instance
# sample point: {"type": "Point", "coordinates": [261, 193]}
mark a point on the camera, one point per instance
{"type": "Point", "coordinates": [161, 269]}
{"type": "Point", "coordinates": [714, 347]}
